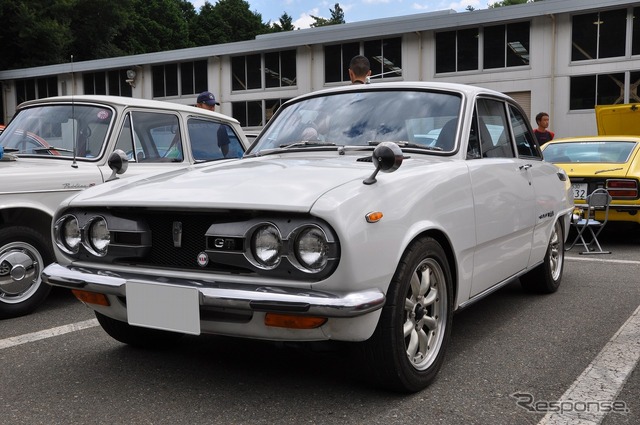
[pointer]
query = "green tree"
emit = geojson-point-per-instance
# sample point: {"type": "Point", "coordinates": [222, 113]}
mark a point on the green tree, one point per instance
{"type": "Point", "coordinates": [156, 25]}
{"type": "Point", "coordinates": [510, 3]}
{"type": "Point", "coordinates": [34, 32]}
{"type": "Point", "coordinates": [337, 17]}
{"type": "Point", "coordinates": [286, 24]}
{"type": "Point", "coordinates": [227, 21]}
{"type": "Point", "coordinates": [96, 27]}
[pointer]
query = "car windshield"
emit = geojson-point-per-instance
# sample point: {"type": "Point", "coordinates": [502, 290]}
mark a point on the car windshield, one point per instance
{"type": "Point", "coordinates": [59, 130]}
{"type": "Point", "coordinates": [589, 151]}
{"type": "Point", "coordinates": [414, 119]}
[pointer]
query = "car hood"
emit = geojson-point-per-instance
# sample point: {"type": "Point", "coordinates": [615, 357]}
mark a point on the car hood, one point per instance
{"type": "Point", "coordinates": [615, 120]}
{"type": "Point", "coordinates": [26, 174]}
{"type": "Point", "coordinates": [267, 183]}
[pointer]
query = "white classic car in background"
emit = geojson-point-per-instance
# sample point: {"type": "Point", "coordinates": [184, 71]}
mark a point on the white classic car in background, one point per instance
{"type": "Point", "coordinates": [55, 147]}
{"type": "Point", "coordinates": [367, 214]}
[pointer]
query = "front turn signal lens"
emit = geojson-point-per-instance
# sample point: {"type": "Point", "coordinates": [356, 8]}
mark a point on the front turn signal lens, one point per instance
{"type": "Point", "coordinates": [91, 297]}
{"type": "Point", "coordinates": [293, 322]}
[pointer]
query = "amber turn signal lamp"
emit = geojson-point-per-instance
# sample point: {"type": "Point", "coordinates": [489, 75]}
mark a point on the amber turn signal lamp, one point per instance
{"type": "Point", "coordinates": [373, 217]}
{"type": "Point", "coordinates": [91, 297]}
{"type": "Point", "coordinates": [293, 322]}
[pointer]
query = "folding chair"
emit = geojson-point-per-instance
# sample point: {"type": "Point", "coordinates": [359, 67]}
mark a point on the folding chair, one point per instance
{"type": "Point", "coordinates": [598, 200]}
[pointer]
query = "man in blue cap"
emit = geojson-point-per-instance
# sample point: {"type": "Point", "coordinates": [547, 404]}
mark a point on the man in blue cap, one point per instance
{"type": "Point", "coordinates": [207, 100]}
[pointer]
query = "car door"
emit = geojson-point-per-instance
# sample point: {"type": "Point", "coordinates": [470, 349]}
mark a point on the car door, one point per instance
{"type": "Point", "coordinates": [152, 141]}
{"type": "Point", "coordinates": [543, 176]}
{"type": "Point", "coordinates": [503, 199]}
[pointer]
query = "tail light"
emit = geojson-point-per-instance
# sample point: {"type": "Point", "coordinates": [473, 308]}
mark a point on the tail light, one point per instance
{"type": "Point", "coordinates": [622, 188]}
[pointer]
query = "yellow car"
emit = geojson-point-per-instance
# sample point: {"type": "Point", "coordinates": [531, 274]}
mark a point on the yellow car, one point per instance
{"type": "Point", "coordinates": [605, 161]}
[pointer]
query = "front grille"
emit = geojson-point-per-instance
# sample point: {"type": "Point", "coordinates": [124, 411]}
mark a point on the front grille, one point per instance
{"type": "Point", "coordinates": [163, 253]}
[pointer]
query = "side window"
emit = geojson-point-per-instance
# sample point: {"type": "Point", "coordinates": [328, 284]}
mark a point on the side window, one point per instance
{"type": "Point", "coordinates": [493, 129]}
{"type": "Point", "coordinates": [155, 137]}
{"type": "Point", "coordinates": [473, 148]}
{"type": "Point", "coordinates": [213, 140]}
{"type": "Point", "coordinates": [525, 141]}
{"type": "Point", "coordinates": [125, 139]}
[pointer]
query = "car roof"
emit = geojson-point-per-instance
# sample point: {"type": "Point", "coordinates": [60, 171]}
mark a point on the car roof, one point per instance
{"type": "Point", "coordinates": [600, 139]}
{"type": "Point", "coordinates": [466, 89]}
{"type": "Point", "coordinates": [122, 101]}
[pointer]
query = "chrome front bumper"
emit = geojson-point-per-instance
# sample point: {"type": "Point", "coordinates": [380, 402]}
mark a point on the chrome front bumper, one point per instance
{"type": "Point", "coordinates": [230, 295]}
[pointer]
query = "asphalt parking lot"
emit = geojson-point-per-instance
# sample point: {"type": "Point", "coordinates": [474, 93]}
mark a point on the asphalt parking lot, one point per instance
{"type": "Point", "coordinates": [515, 358]}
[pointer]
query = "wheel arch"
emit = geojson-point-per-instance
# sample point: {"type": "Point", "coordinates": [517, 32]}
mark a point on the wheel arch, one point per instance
{"type": "Point", "coordinates": [38, 220]}
{"type": "Point", "coordinates": [446, 245]}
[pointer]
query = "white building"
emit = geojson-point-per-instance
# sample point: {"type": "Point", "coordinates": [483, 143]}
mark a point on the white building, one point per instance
{"type": "Point", "coordinates": [557, 56]}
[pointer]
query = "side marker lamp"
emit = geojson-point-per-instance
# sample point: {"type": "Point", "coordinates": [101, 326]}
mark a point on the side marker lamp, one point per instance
{"type": "Point", "coordinates": [373, 217]}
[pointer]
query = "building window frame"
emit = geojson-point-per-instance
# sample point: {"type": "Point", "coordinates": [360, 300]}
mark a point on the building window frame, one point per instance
{"type": "Point", "coordinates": [264, 71]}
{"type": "Point", "coordinates": [36, 88]}
{"type": "Point", "coordinates": [255, 113]}
{"type": "Point", "coordinates": [476, 49]}
{"type": "Point", "coordinates": [610, 33]}
{"type": "Point", "coordinates": [112, 82]}
{"type": "Point", "coordinates": [384, 54]}
{"type": "Point", "coordinates": [586, 91]}
{"type": "Point", "coordinates": [179, 79]}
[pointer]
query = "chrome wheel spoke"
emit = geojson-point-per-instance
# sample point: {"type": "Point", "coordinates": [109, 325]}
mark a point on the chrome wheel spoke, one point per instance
{"type": "Point", "coordinates": [430, 322]}
{"type": "Point", "coordinates": [412, 347]}
{"type": "Point", "coordinates": [408, 328]}
{"type": "Point", "coordinates": [425, 281]}
{"type": "Point", "coordinates": [431, 298]}
{"type": "Point", "coordinates": [415, 285]}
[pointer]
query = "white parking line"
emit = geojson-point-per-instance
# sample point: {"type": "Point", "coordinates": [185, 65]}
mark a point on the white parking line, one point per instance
{"type": "Point", "coordinates": [47, 333]}
{"type": "Point", "coordinates": [601, 260]}
{"type": "Point", "coordinates": [594, 393]}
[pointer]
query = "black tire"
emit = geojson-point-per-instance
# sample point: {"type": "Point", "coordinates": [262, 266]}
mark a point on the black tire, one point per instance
{"type": "Point", "coordinates": [546, 278]}
{"type": "Point", "coordinates": [24, 253]}
{"type": "Point", "coordinates": [390, 358]}
{"type": "Point", "coordinates": [136, 336]}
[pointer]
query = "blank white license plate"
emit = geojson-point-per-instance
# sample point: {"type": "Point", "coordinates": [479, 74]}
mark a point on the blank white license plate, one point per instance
{"type": "Point", "coordinates": [579, 190]}
{"type": "Point", "coordinates": [164, 307]}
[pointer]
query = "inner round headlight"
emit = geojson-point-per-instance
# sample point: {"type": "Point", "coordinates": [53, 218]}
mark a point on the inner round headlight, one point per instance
{"type": "Point", "coordinates": [68, 235]}
{"type": "Point", "coordinates": [99, 236]}
{"type": "Point", "coordinates": [312, 249]}
{"type": "Point", "coordinates": [266, 245]}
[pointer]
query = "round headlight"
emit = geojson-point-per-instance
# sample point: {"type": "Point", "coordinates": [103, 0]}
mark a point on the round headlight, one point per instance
{"type": "Point", "coordinates": [68, 234]}
{"type": "Point", "coordinates": [312, 249]}
{"type": "Point", "coordinates": [266, 246]}
{"type": "Point", "coordinates": [99, 236]}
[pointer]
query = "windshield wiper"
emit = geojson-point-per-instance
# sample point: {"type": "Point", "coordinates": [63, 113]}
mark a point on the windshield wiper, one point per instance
{"type": "Point", "coordinates": [51, 148]}
{"type": "Point", "coordinates": [11, 150]}
{"type": "Point", "coordinates": [304, 143]}
{"type": "Point", "coordinates": [300, 144]}
{"type": "Point", "coordinates": [405, 144]}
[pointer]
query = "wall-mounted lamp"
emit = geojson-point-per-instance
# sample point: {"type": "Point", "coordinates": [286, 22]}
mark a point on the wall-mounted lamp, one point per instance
{"type": "Point", "coordinates": [131, 77]}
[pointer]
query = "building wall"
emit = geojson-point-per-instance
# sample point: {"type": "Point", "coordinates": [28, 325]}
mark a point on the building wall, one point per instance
{"type": "Point", "coordinates": [543, 85]}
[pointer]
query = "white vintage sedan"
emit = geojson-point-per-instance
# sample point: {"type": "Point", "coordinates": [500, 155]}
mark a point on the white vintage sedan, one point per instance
{"type": "Point", "coordinates": [58, 146]}
{"type": "Point", "coordinates": [368, 214]}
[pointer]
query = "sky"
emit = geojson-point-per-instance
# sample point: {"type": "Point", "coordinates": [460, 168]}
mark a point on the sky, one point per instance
{"type": "Point", "coordinates": [354, 10]}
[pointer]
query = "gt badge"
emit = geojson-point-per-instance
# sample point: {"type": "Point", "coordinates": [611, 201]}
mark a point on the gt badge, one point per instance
{"type": "Point", "coordinates": [203, 259]}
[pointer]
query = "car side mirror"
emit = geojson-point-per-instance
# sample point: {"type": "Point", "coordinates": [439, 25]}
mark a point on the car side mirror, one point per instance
{"type": "Point", "coordinates": [387, 157]}
{"type": "Point", "coordinates": [118, 162]}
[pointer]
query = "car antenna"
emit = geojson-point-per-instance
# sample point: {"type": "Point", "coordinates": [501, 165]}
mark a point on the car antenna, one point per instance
{"type": "Point", "coordinates": [74, 164]}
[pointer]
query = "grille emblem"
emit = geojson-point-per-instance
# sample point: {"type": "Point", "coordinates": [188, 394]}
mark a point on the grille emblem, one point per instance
{"type": "Point", "coordinates": [203, 259]}
{"type": "Point", "coordinates": [177, 234]}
